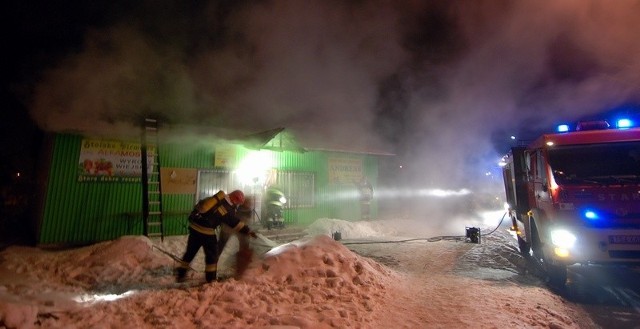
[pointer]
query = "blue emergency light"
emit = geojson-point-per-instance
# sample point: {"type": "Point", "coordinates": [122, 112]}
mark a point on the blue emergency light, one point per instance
{"type": "Point", "coordinates": [624, 123]}
{"type": "Point", "coordinates": [591, 214]}
{"type": "Point", "coordinates": [562, 128]}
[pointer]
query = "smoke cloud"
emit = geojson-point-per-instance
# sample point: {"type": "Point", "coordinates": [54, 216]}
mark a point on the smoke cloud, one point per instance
{"type": "Point", "coordinates": [439, 83]}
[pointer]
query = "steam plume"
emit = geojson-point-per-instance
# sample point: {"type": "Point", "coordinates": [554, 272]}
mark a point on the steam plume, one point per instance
{"type": "Point", "coordinates": [436, 82]}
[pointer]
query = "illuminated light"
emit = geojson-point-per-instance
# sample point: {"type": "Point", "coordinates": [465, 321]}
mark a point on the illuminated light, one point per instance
{"type": "Point", "coordinates": [253, 169]}
{"type": "Point", "coordinates": [502, 163]}
{"type": "Point", "coordinates": [624, 123]}
{"type": "Point", "coordinates": [552, 183]}
{"type": "Point", "coordinates": [563, 238]}
{"type": "Point", "coordinates": [590, 214]}
{"type": "Point", "coordinates": [550, 143]}
{"type": "Point", "coordinates": [404, 193]}
{"type": "Point", "coordinates": [562, 128]}
{"type": "Point", "coordinates": [561, 252]}
{"type": "Point", "coordinates": [444, 193]}
{"type": "Point", "coordinates": [513, 137]}
{"type": "Point", "coordinates": [506, 206]}
{"type": "Point", "coordinates": [283, 200]}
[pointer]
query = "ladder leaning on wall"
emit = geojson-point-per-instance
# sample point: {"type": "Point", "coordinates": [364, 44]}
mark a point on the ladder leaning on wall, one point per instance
{"type": "Point", "coordinates": [151, 185]}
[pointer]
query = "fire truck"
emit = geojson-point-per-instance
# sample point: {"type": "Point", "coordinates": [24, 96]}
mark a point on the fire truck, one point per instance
{"type": "Point", "coordinates": [574, 197]}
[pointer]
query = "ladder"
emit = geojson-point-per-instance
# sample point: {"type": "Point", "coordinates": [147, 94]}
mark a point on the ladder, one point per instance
{"type": "Point", "coordinates": [151, 186]}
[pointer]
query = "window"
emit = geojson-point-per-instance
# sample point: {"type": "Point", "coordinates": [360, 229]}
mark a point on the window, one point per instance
{"type": "Point", "coordinates": [298, 187]}
{"type": "Point", "coordinates": [212, 181]}
{"type": "Point", "coordinates": [605, 163]}
{"type": "Point", "coordinates": [541, 169]}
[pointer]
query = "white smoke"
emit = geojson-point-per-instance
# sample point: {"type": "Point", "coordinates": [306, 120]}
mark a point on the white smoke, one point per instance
{"type": "Point", "coordinates": [434, 82]}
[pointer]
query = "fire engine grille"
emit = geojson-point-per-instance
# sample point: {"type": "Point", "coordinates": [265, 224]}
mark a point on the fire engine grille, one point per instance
{"type": "Point", "coordinates": [629, 221]}
{"type": "Point", "coordinates": [624, 254]}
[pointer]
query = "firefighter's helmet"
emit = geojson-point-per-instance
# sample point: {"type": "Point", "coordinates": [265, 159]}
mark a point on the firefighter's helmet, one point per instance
{"type": "Point", "coordinates": [236, 197]}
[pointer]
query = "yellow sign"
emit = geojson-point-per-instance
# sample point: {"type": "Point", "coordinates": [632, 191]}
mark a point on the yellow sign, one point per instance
{"type": "Point", "coordinates": [224, 157]}
{"type": "Point", "coordinates": [343, 170]}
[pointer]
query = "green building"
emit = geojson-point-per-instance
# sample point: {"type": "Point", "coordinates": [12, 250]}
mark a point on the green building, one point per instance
{"type": "Point", "coordinates": [96, 189]}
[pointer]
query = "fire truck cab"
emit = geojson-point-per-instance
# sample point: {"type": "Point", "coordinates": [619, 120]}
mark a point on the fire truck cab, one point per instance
{"type": "Point", "coordinates": [574, 197]}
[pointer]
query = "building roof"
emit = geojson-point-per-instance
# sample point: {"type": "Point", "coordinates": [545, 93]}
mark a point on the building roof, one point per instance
{"type": "Point", "coordinates": [280, 139]}
{"type": "Point", "coordinates": [277, 139]}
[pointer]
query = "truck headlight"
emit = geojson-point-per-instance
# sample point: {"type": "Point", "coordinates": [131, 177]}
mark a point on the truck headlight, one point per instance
{"type": "Point", "coordinates": [563, 238]}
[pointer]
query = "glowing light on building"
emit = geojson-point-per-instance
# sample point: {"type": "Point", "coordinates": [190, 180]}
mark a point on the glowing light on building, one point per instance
{"type": "Point", "coordinates": [253, 169]}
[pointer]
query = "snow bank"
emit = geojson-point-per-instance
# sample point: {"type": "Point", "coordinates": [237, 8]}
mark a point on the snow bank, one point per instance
{"type": "Point", "coordinates": [314, 283]}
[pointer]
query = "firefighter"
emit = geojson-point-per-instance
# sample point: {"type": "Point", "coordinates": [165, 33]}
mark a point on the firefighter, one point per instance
{"type": "Point", "coordinates": [366, 195]}
{"type": "Point", "coordinates": [207, 215]}
{"type": "Point", "coordinates": [275, 201]}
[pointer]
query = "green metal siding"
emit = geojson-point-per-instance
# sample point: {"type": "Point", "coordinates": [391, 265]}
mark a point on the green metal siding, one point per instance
{"type": "Point", "coordinates": [176, 207]}
{"type": "Point", "coordinates": [85, 212]}
{"type": "Point", "coordinates": [186, 156]}
{"type": "Point", "coordinates": [332, 200]}
{"type": "Point", "coordinates": [308, 161]}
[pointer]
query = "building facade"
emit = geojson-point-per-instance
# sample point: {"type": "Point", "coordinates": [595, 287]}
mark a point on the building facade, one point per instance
{"type": "Point", "coordinates": [93, 188]}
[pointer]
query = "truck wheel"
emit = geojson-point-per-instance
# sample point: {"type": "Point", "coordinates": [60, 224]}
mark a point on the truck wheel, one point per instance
{"type": "Point", "coordinates": [525, 248]}
{"type": "Point", "coordinates": [556, 274]}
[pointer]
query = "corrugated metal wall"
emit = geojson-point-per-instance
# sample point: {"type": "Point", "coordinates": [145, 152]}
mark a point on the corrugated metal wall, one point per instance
{"type": "Point", "coordinates": [176, 207]}
{"type": "Point", "coordinates": [332, 200]}
{"type": "Point", "coordinates": [85, 212]}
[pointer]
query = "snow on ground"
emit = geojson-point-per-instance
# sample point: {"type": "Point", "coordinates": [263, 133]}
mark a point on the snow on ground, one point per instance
{"type": "Point", "coordinates": [314, 282]}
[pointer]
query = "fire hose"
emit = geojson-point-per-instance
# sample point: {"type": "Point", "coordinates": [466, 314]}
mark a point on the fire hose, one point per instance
{"type": "Point", "coordinates": [468, 237]}
{"type": "Point", "coordinates": [174, 257]}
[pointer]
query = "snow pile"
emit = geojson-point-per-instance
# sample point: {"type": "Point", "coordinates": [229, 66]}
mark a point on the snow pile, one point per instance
{"type": "Point", "coordinates": [315, 283]}
{"type": "Point", "coordinates": [126, 259]}
{"type": "Point", "coordinates": [314, 273]}
{"type": "Point", "coordinates": [37, 281]}
{"type": "Point", "coordinates": [17, 315]}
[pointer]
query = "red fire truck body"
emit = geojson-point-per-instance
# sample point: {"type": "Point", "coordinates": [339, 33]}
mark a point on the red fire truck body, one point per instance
{"type": "Point", "coordinates": [574, 198]}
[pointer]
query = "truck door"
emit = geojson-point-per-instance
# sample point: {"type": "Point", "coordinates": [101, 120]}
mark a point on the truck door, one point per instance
{"type": "Point", "coordinates": [530, 160]}
{"type": "Point", "coordinates": [539, 195]}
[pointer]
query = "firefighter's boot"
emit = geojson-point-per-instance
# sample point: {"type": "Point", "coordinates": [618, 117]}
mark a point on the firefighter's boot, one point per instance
{"type": "Point", "coordinates": [210, 276]}
{"type": "Point", "coordinates": [210, 272]}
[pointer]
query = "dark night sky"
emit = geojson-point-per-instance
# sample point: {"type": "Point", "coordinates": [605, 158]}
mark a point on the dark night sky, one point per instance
{"type": "Point", "coordinates": [443, 83]}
